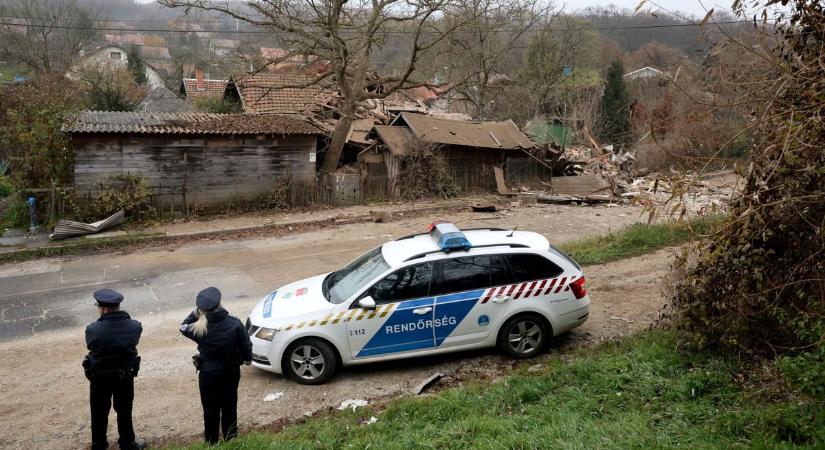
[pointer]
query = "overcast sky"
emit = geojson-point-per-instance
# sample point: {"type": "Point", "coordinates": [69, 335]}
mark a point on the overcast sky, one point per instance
{"type": "Point", "coordinates": [690, 7]}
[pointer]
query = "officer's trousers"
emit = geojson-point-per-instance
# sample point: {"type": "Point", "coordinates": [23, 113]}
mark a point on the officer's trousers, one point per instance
{"type": "Point", "coordinates": [103, 391]}
{"type": "Point", "coordinates": [219, 397]}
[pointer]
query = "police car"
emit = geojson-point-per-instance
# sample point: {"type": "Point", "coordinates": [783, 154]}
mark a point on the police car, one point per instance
{"type": "Point", "coordinates": [440, 291]}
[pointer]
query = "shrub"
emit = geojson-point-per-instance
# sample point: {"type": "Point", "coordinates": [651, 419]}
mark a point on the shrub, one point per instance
{"type": "Point", "coordinates": [757, 286]}
{"type": "Point", "coordinates": [424, 172]}
{"type": "Point", "coordinates": [16, 214]}
{"type": "Point", "coordinates": [6, 188]}
{"type": "Point", "coordinates": [127, 192]}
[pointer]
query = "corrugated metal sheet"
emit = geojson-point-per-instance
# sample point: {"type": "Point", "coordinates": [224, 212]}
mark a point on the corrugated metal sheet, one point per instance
{"type": "Point", "coordinates": [395, 138]}
{"type": "Point", "coordinates": [497, 135]}
{"type": "Point", "coordinates": [185, 123]}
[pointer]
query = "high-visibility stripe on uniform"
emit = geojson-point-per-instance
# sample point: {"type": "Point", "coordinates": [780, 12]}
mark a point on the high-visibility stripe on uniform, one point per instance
{"type": "Point", "coordinates": [561, 285]}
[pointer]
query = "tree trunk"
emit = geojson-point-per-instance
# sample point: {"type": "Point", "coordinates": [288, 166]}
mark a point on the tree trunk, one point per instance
{"type": "Point", "coordinates": [339, 139]}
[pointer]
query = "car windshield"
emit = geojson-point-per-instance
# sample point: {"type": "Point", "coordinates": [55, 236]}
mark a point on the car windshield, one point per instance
{"type": "Point", "coordinates": [341, 285]}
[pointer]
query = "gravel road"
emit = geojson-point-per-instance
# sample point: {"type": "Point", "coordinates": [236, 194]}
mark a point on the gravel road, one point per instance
{"type": "Point", "coordinates": [46, 303]}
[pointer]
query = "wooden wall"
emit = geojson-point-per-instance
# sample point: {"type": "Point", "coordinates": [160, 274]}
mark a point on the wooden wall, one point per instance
{"type": "Point", "coordinates": [215, 168]}
{"type": "Point", "coordinates": [472, 168]}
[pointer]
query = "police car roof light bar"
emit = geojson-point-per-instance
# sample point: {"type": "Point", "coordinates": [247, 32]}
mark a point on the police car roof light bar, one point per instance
{"type": "Point", "coordinates": [449, 237]}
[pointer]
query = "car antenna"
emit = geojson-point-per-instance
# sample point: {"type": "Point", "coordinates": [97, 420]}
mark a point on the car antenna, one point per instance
{"type": "Point", "coordinates": [514, 230]}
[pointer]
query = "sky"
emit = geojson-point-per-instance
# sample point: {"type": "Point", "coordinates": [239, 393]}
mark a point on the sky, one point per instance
{"type": "Point", "coordinates": [690, 7]}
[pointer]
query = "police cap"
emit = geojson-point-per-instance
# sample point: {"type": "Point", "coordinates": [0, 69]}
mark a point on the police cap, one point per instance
{"type": "Point", "coordinates": [208, 299]}
{"type": "Point", "coordinates": [108, 297]}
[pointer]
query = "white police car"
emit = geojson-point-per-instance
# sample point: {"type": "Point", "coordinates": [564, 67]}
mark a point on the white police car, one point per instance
{"type": "Point", "coordinates": [424, 294]}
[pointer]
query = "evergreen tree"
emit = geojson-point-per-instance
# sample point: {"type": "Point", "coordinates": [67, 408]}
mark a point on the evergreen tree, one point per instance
{"type": "Point", "coordinates": [135, 65]}
{"type": "Point", "coordinates": [615, 107]}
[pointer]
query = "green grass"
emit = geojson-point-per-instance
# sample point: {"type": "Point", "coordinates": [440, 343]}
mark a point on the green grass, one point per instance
{"type": "Point", "coordinates": [640, 393]}
{"type": "Point", "coordinates": [636, 239]}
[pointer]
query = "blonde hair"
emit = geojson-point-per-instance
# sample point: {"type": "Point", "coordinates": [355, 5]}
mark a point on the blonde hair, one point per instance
{"type": "Point", "coordinates": [199, 326]}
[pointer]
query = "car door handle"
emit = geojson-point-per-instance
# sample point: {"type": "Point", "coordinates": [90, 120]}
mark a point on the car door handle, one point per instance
{"type": "Point", "coordinates": [500, 298]}
{"type": "Point", "coordinates": [422, 310]}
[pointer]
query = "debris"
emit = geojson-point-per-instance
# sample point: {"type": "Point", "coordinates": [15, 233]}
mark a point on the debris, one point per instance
{"type": "Point", "coordinates": [273, 397]}
{"type": "Point", "coordinates": [621, 318]}
{"type": "Point", "coordinates": [68, 228]}
{"type": "Point", "coordinates": [535, 368]}
{"type": "Point", "coordinates": [582, 185]}
{"type": "Point", "coordinates": [353, 403]}
{"type": "Point", "coordinates": [483, 208]}
{"type": "Point", "coordinates": [427, 383]}
{"type": "Point", "coordinates": [566, 199]}
{"type": "Point", "coordinates": [371, 421]}
{"type": "Point", "coordinates": [381, 216]}
{"type": "Point", "coordinates": [501, 185]}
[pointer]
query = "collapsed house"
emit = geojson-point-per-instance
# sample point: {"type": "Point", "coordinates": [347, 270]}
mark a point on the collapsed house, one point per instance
{"type": "Point", "coordinates": [192, 158]}
{"type": "Point", "coordinates": [472, 150]}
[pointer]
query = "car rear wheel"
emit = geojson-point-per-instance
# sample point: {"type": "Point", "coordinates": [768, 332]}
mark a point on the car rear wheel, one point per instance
{"type": "Point", "coordinates": [523, 336]}
{"type": "Point", "coordinates": [310, 361]}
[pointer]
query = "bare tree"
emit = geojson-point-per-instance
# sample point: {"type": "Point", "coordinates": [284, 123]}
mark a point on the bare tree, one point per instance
{"type": "Point", "coordinates": [347, 33]}
{"type": "Point", "coordinates": [481, 54]}
{"type": "Point", "coordinates": [44, 35]}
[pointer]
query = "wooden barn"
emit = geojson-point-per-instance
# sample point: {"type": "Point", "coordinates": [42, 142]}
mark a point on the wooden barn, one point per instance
{"type": "Point", "coordinates": [471, 149]}
{"type": "Point", "coordinates": [194, 158]}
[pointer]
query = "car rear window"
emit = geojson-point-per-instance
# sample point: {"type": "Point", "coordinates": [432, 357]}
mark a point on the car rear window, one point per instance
{"type": "Point", "coordinates": [528, 267]}
{"type": "Point", "coordinates": [471, 272]}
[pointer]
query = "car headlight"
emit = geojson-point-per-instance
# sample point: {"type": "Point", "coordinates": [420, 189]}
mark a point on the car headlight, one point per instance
{"type": "Point", "coordinates": [266, 333]}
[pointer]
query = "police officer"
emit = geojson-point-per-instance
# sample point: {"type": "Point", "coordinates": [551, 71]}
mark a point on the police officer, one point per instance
{"type": "Point", "coordinates": [111, 367]}
{"type": "Point", "coordinates": [223, 345]}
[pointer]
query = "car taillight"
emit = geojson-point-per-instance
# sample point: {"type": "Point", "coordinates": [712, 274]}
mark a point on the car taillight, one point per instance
{"type": "Point", "coordinates": [577, 286]}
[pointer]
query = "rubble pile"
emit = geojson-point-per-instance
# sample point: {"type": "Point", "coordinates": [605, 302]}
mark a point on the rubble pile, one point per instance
{"type": "Point", "coordinates": [619, 180]}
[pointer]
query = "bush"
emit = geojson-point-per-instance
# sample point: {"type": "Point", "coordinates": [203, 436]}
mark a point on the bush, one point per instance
{"type": "Point", "coordinates": [424, 172]}
{"type": "Point", "coordinates": [6, 188]}
{"type": "Point", "coordinates": [16, 213]}
{"type": "Point", "coordinates": [127, 192]}
{"type": "Point", "coordinates": [758, 286]}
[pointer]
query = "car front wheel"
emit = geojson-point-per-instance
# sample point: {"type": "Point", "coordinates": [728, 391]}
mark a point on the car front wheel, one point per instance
{"type": "Point", "coordinates": [523, 336]}
{"type": "Point", "coordinates": [309, 361]}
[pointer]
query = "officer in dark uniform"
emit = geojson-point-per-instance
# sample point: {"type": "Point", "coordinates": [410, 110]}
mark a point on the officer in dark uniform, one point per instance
{"type": "Point", "coordinates": [223, 345]}
{"type": "Point", "coordinates": [111, 367]}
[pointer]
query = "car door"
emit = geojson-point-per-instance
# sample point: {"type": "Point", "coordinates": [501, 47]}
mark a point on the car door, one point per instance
{"type": "Point", "coordinates": [462, 317]}
{"type": "Point", "coordinates": [402, 320]}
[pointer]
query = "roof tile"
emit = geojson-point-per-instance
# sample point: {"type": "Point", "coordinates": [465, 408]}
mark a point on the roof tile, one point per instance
{"type": "Point", "coordinates": [185, 123]}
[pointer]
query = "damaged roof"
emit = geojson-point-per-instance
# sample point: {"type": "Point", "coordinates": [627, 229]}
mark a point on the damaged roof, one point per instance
{"type": "Point", "coordinates": [184, 123]}
{"type": "Point", "coordinates": [395, 138]}
{"type": "Point", "coordinates": [497, 135]}
{"type": "Point", "coordinates": [280, 93]}
{"type": "Point", "coordinates": [210, 88]}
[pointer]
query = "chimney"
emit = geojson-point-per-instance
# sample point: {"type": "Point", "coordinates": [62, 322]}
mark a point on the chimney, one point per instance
{"type": "Point", "coordinates": [199, 84]}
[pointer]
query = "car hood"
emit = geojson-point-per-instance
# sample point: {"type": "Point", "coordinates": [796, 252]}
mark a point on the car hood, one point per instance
{"type": "Point", "coordinates": [291, 301]}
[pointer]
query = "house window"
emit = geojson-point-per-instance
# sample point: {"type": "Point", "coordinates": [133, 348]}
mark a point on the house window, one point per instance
{"type": "Point", "coordinates": [114, 55]}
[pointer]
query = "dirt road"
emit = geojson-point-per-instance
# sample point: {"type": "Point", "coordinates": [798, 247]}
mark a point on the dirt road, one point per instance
{"type": "Point", "coordinates": [45, 395]}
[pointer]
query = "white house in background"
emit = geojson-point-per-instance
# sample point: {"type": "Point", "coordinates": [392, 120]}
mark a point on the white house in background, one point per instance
{"type": "Point", "coordinates": [115, 56]}
{"type": "Point", "coordinates": [644, 72]}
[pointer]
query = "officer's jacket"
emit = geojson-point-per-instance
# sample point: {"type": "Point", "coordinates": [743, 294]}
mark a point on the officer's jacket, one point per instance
{"type": "Point", "coordinates": [112, 341]}
{"type": "Point", "coordinates": [226, 342]}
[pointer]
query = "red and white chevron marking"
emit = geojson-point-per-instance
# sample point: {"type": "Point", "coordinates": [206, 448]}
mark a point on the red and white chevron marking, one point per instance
{"type": "Point", "coordinates": [529, 289]}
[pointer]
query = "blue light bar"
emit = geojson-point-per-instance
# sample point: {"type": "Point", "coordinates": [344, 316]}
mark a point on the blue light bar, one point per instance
{"type": "Point", "coordinates": [449, 237]}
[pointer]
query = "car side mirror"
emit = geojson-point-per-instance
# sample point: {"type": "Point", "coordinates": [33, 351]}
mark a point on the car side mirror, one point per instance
{"type": "Point", "coordinates": [367, 303]}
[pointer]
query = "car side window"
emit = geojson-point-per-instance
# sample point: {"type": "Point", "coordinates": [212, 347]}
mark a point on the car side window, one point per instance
{"type": "Point", "coordinates": [466, 273]}
{"type": "Point", "coordinates": [404, 284]}
{"type": "Point", "coordinates": [529, 267]}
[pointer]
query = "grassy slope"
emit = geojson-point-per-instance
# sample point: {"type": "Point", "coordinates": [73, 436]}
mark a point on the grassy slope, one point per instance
{"type": "Point", "coordinates": [635, 240]}
{"type": "Point", "coordinates": [639, 393]}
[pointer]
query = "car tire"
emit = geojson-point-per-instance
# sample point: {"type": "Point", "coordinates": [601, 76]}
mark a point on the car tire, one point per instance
{"type": "Point", "coordinates": [523, 336]}
{"type": "Point", "coordinates": [310, 361]}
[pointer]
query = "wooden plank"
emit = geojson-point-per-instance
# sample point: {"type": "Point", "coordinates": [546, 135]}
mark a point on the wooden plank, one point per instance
{"type": "Point", "coordinates": [581, 185]}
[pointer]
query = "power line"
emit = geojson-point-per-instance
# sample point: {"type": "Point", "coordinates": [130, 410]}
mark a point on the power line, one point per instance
{"type": "Point", "coordinates": [537, 30]}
